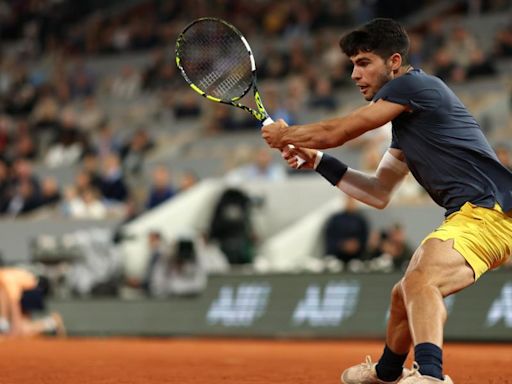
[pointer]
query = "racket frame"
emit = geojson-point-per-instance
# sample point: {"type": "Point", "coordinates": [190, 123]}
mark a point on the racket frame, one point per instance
{"type": "Point", "coordinates": [260, 114]}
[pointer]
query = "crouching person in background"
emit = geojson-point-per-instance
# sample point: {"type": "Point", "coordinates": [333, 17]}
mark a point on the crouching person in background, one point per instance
{"type": "Point", "coordinates": [22, 294]}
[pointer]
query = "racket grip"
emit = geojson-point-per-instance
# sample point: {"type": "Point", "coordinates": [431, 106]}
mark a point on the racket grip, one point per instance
{"type": "Point", "coordinates": [300, 161]}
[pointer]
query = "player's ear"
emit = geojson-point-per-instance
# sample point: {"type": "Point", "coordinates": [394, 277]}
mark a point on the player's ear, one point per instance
{"type": "Point", "coordinates": [395, 61]}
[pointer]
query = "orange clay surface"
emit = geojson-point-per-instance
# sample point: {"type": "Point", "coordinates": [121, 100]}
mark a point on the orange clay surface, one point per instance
{"type": "Point", "coordinates": [216, 361]}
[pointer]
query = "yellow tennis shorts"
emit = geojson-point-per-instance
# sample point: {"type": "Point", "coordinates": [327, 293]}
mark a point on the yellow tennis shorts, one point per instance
{"type": "Point", "coordinates": [483, 236]}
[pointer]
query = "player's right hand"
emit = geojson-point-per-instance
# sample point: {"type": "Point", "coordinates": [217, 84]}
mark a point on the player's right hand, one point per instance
{"type": "Point", "coordinates": [290, 154]}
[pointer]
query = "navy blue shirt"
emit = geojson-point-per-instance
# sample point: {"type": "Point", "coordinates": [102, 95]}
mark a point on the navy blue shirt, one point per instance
{"type": "Point", "coordinates": [444, 146]}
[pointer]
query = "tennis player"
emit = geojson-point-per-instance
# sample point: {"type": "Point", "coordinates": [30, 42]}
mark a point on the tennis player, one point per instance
{"type": "Point", "coordinates": [437, 139]}
{"type": "Point", "coordinates": [21, 295]}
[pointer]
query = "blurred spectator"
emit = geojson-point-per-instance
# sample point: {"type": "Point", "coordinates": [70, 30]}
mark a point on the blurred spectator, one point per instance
{"type": "Point", "coordinates": [69, 144]}
{"type": "Point", "coordinates": [480, 65]}
{"type": "Point", "coordinates": [157, 249]}
{"type": "Point", "coordinates": [445, 67]}
{"type": "Point", "coordinates": [262, 167]}
{"type": "Point", "coordinates": [85, 204]}
{"type": "Point", "coordinates": [23, 193]}
{"type": "Point", "coordinates": [322, 96]}
{"type": "Point", "coordinates": [394, 250]}
{"type": "Point", "coordinates": [433, 38]}
{"type": "Point", "coordinates": [4, 184]}
{"type": "Point", "coordinates": [346, 233]}
{"type": "Point", "coordinates": [151, 74]}
{"type": "Point", "coordinates": [5, 135]}
{"type": "Point", "coordinates": [128, 84]}
{"type": "Point", "coordinates": [25, 198]}
{"type": "Point", "coordinates": [181, 273]}
{"type": "Point", "coordinates": [91, 115]}
{"type": "Point", "coordinates": [105, 141]}
{"type": "Point", "coordinates": [45, 116]}
{"type": "Point", "coordinates": [112, 184]}
{"type": "Point", "coordinates": [133, 153]}
{"type": "Point", "coordinates": [187, 106]}
{"type": "Point", "coordinates": [81, 80]}
{"type": "Point", "coordinates": [161, 188]}
{"type": "Point", "coordinates": [50, 192]}
{"type": "Point", "coordinates": [503, 41]}
{"type": "Point", "coordinates": [462, 45]}
{"type": "Point", "coordinates": [187, 180]}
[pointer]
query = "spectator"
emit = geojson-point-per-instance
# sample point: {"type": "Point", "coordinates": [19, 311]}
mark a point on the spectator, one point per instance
{"type": "Point", "coordinates": [187, 180]}
{"type": "Point", "coordinates": [480, 65]}
{"type": "Point", "coordinates": [262, 167]}
{"type": "Point", "coordinates": [346, 233]}
{"type": "Point", "coordinates": [434, 37]}
{"type": "Point", "coordinates": [128, 84]}
{"type": "Point", "coordinates": [187, 106]}
{"type": "Point", "coordinates": [91, 115]}
{"type": "Point", "coordinates": [81, 80]}
{"type": "Point", "coordinates": [322, 96]}
{"type": "Point", "coordinates": [104, 143]}
{"type": "Point", "coordinates": [133, 153]}
{"type": "Point", "coordinates": [180, 273]}
{"type": "Point", "coordinates": [69, 144]}
{"type": "Point", "coordinates": [161, 188]}
{"type": "Point", "coordinates": [503, 42]}
{"type": "Point", "coordinates": [462, 45]}
{"type": "Point", "coordinates": [112, 184]}
{"type": "Point", "coordinates": [395, 251]}
{"type": "Point", "coordinates": [85, 205]}
{"type": "Point", "coordinates": [23, 192]}
{"type": "Point", "coordinates": [157, 250]}
{"type": "Point", "coordinates": [25, 198]}
{"type": "Point", "coordinates": [50, 192]}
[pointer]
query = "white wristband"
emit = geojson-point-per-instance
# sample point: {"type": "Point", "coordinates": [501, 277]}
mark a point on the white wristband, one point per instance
{"type": "Point", "coordinates": [319, 155]}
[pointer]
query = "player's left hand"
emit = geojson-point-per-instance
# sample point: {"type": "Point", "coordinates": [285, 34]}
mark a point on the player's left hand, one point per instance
{"type": "Point", "coordinates": [273, 134]}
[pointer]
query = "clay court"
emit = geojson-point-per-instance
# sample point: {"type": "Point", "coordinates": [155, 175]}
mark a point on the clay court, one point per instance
{"type": "Point", "coordinates": [214, 361]}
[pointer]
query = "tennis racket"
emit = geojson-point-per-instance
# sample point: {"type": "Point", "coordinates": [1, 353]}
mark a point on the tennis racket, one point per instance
{"type": "Point", "coordinates": [217, 62]}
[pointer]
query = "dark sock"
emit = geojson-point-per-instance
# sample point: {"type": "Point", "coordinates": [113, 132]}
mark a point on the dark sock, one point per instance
{"type": "Point", "coordinates": [390, 365]}
{"type": "Point", "coordinates": [430, 359]}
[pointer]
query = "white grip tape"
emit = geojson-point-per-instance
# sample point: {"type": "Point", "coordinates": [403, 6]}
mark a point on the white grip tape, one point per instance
{"type": "Point", "coordinates": [300, 161]}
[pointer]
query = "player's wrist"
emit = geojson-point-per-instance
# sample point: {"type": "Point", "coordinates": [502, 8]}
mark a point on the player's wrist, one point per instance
{"type": "Point", "coordinates": [331, 168]}
{"type": "Point", "coordinates": [318, 158]}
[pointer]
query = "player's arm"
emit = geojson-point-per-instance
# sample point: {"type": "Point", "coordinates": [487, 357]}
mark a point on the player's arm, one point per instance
{"type": "Point", "coordinates": [374, 190]}
{"type": "Point", "coordinates": [333, 132]}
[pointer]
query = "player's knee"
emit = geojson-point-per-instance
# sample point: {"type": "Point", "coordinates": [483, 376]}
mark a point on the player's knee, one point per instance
{"type": "Point", "coordinates": [413, 281]}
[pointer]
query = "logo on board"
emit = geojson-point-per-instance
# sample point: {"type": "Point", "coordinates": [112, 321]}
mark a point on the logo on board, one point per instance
{"type": "Point", "coordinates": [239, 306]}
{"type": "Point", "coordinates": [327, 307]}
{"type": "Point", "coordinates": [501, 308]}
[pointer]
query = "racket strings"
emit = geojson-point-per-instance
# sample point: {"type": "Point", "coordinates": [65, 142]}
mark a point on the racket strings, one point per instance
{"type": "Point", "coordinates": [215, 59]}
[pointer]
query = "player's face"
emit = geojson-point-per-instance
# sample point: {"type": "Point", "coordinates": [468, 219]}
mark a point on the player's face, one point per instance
{"type": "Point", "coordinates": [370, 73]}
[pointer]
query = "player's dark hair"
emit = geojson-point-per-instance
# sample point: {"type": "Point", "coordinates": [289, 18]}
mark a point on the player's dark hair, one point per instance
{"type": "Point", "coordinates": [383, 37]}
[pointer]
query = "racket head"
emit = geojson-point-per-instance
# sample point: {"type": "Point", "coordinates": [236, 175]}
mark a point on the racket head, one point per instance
{"type": "Point", "coordinates": [215, 59]}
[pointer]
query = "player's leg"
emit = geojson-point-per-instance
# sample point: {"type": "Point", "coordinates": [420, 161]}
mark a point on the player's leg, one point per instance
{"type": "Point", "coordinates": [50, 324]}
{"type": "Point", "coordinates": [436, 271]}
{"type": "Point", "coordinates": [398, 339]}
{"type": "Point", "coordinates": [389, 369]}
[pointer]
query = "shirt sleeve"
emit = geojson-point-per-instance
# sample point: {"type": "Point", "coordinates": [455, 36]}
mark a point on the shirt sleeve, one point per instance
{"type": "Point", "coordinates": [418, 94]}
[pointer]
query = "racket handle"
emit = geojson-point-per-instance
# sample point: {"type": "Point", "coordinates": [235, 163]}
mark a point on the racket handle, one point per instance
{"type": "Point", "coordinates": [300, 161]}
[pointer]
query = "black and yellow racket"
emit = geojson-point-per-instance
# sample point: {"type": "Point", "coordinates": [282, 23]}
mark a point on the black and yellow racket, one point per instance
{"type": "Point", "coordinates": [217, 62]}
